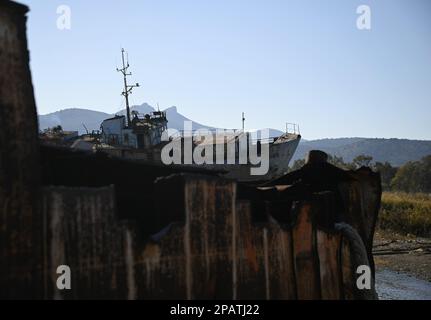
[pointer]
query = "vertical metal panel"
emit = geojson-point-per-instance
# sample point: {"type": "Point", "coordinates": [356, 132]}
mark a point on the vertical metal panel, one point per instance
{"type": "Point", "coordinates": [20, 251]}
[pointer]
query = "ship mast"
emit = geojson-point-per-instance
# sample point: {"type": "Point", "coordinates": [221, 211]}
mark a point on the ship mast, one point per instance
{"type": "Point", "coordinates": [127, 88]}
{"type": "Point", "coordinates": [243, 121]}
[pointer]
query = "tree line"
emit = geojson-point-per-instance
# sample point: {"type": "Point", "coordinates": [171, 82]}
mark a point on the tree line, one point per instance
{"type": "Point", "coordinates": [412, 177]}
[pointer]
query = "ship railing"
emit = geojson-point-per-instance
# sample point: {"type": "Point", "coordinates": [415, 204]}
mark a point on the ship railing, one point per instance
{"type": "Point", "coordinates": [292, 128]}
{"type": "Point", "coordinates": [190, 133]}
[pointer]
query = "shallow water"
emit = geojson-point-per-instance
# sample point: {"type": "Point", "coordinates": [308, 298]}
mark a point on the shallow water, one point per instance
{"type": "Point", "coordinates": [391, 285]}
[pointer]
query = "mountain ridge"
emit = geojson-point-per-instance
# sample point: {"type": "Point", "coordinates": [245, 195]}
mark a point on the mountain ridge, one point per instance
{"type": "Point", "coordinates": [396, 151]}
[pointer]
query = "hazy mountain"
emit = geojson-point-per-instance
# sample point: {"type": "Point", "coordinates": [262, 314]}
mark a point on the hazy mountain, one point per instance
{"type": "Point", "coordinates": [176, 120]}
{"type": "Point", "coordinates": [395, 151]}
{"type": "Point", "coordinates": [143, 108]}
{"type": "Point", "coordinates": [74, 119]}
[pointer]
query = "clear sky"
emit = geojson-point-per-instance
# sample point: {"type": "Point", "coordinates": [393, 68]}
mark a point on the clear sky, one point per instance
{"type": "Point", "coordinates": [302, 61]}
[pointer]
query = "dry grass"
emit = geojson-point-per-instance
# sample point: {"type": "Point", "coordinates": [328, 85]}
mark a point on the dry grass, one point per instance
{"type": "Point", "coordinates": [406, 213]}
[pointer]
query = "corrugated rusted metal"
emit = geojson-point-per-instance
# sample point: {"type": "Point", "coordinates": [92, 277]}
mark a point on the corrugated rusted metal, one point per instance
{"type": "Point", "coordinates": [19, 158]}
{"type": "Point", "coordinates": [213, 250]}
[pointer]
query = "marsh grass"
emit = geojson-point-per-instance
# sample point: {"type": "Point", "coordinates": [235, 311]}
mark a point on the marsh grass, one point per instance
{"type": "Point", "coordinates": [406, 213]}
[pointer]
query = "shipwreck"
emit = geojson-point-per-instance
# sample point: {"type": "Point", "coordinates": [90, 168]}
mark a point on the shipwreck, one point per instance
{"type": "Point", "coordinates": [234, 154]}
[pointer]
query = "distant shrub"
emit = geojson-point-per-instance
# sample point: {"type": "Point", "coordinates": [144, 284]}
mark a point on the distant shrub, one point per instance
{"type": "Point", "coordinates": [414, 176]}
{"type": "Point", "coordinates": [387, 173]}
{"type": "Point", "coordinates": [406, 213]}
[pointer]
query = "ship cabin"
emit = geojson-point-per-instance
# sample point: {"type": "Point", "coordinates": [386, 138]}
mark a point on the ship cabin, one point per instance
{"type": "Point", "coordinates": [142, 133]}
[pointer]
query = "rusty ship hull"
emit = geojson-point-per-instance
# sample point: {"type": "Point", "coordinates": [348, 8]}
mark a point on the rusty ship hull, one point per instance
{"type": "Point", "coordinates": [280, 151]}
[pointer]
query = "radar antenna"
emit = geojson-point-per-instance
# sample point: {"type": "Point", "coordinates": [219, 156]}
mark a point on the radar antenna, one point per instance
{"type": "Point", "coordinates": [127, 88]}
